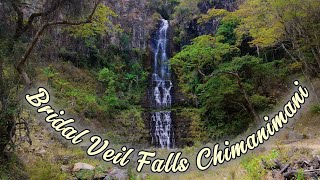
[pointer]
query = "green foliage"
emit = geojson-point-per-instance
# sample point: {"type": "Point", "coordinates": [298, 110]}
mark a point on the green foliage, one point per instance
{"type": "Point", "coordinates": [101, 24]}
{"type": "Point", "coordinates": [224, 105]}
{"type": "Point", "coordinates": [315, 108]}
{"type": "Point", "coordinates": [12, 168]}
{"type": "Point", "coordinates": [119, 70]}
{"type": "Point", "coordinates": [260, 22]}
{"type": "Point", "coordinates": [9, 107]}
{"type": "Point", "coordinates": [186, 10]}
{"type": "Point", "coordinates": [291, 24]}
{"type": "Point", "coordinates": [252, 164]}
{"type": "Point", "coordinates": [259, 102]}
{"type": "Point", "coordinates": [196, 130]}
{"type": "Point", "coordinates": [109, 79]}
{"type": "Point", "coordinates": [49, 72]}
{"type": "Point", "coordinates": [239, 64]}
{"type": "Point", "coordinates": [219, 96]}
{"type": "Point", "coordinates": [300, 175]}
{"type": "Point", "coordinates": [184, 14]}
{"type": "Point", "coordinates": [124, 41]}
{"type": "Point", "coordinates": [204, 53]}
{"type": "Point", "coordinates": [43, 169]}
{"type": "Point", "coordinates": [113, 103]}
{"type": "Point", "coordinates": [85, 174]}
{"type": "Point", "coordinates": [213, 13]}
{"type": "Point", "coordinates": [105, 92]}
{"type": "Point", "coordinates": [131, 125]}
{"type": "Point", "coordinates": [226, 31]}
{"type": "Point", "coordinates": [132, 174]}
{"type": "Point", "coordinates": [124, 82]}
{"type": "Point", "coordinates": [6, 123]}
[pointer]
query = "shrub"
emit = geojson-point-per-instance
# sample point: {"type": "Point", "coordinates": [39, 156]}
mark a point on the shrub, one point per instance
{"type": "Point", "coordinates": [261, 102]}
{"type": "Point", "coordinates": [300, 175]}
{"type": "Point", "coordinates": [315, 108]}
{"type": "Point", "coordinates": [46, 170]}
{"type": "Point", "coordinates": [12, 168]}
{"type": "Point", "coordinates": [253, 166]}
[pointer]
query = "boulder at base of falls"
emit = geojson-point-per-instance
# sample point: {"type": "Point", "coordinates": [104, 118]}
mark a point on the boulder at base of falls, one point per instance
{"type": "Point", "coordinates": [65, 168]}
{"type": "Point", "coordinates": [82, 166]}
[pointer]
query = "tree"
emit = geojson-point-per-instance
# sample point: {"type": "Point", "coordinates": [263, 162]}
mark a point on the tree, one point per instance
{"type": "Point", "coordinates": [184, 17]}
{"type": "Point", "coordinates": [289, 25]}
{"type": "Point", "coordinates": [51, 14]}
{"type": "Point", "coordinates": [232, 69]}
{"type": "Point", "coordinates": [285, 24]}
{"type": "Point", "coordinates": [227, 87]}
{"type": "Point", "coordinates": [204, 53]}
{"type": "Point", "coordinates": [99, 20]}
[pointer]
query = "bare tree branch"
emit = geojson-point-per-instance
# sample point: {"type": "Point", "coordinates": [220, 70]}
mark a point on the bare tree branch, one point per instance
{"type": "Point", "coordinates": [21, 28]}
{"type": "Point", "coordinates": [19, 18]}
{"type": "Point", "coordinates": [21, 64]}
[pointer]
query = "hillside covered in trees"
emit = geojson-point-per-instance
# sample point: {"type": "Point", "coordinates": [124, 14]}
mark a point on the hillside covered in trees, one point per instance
{"type": "Point", "coordinates": [217, 66]}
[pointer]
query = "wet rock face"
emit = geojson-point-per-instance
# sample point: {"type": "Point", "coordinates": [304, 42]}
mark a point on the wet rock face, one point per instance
{"type": "Point", "coordinates": [194, 29]}
{"type": "Point", "coordinates": [137, 20]}
{"type": "Point", "coordinates": [229, 5]}
{"type": "Point", "coordinates": [182, 127]}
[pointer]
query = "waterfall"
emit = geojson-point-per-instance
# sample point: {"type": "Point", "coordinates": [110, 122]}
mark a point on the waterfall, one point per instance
{"type": "Point", "coordinates": [161, 122]}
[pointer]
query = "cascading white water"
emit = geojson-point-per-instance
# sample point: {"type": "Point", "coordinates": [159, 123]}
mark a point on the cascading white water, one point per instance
{"type": "Point", "coordinates": [161, 122]}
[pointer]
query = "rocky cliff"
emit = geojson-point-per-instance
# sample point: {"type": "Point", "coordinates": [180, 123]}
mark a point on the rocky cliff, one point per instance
{"type": "Point", "coordinates": [137, 20]}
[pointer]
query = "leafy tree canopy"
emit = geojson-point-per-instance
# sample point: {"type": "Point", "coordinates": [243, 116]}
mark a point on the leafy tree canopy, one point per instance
{"type": "Point", "coordinates": [101, 24]}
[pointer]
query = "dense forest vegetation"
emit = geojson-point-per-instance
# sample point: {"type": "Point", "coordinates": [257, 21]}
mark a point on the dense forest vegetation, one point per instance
{"type": "Point", "coordinates": [238, 71]}
{"type": "Point", "coordinates": [231, 61]}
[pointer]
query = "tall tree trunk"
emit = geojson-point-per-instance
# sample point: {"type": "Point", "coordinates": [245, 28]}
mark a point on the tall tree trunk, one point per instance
{"type": "Point", "coordinates": [242, 89]}
{"type": "Point", "coordinates": [250, 106]}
